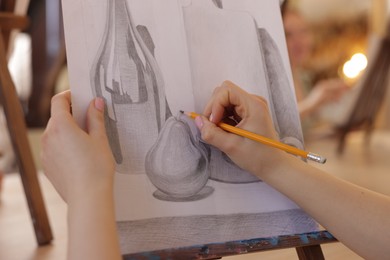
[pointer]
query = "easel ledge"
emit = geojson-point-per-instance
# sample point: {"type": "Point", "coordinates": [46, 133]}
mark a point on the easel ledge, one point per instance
{"type": "Point", "coordinates": [307, 246]}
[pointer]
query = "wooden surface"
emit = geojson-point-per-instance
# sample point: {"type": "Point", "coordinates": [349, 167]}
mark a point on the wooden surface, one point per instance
{"type": "Point", "coordinates": [372, 95]}
{"type": "Point", "coordinates": [10, 21]}
{"type": "Point", "coordinates": [48, 57]}
{"type": "Point", "coordinates": [6, 6]}
{"type": "Point", "coordinates": [18, 133]}
{"type": "Point", "coordinates": [310, 252]}
{"type": "Point", "coordinates": [308, 248]}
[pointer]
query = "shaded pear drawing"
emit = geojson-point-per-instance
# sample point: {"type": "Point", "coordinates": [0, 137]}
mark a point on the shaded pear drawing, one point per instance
{"type": "Point", "coordinates": [178, 163]}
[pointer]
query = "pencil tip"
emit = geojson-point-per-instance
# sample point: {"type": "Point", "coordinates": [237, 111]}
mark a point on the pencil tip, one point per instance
{"type": "Point", "coordinates": [181, 111]}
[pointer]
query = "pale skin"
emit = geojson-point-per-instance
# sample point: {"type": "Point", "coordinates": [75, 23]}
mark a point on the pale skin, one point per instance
{"type": "Point", "coordinates": [356, 216]}
{"type": "Point", "coordinates": [81, 167]}
{"type": "Point", "coordinates": [1, 180]}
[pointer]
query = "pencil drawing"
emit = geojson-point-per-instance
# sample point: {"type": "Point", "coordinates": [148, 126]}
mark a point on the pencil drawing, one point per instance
{"type": "Point", "coordinates": [173, 162]}
{"type": "Point", "coordinates": [134, 85]}
{"type": "Point", "coordinates": [281, 95]}
{"type": "Point", "coordinates": [177, 232]}
{"type": "Point", "coordinates": [178, 162]}
{"type": "Point", "coordinates": [211, 35]}
{"type": "Point", "coordinates": [127, 75]}
{"type": "Point", "coordinates": [153, 57]}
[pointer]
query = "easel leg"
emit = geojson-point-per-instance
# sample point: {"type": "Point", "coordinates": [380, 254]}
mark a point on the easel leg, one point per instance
{"type": "Point", "coordinates": [310, 253]}
{"type": "Point", "coordinates": [18, 133]}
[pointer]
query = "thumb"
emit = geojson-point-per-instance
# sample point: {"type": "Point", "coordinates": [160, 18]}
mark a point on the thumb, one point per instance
{"type": "Point", "coordinates": [95, 118]}
{"type": "Point", "coordinates": [215, 136]}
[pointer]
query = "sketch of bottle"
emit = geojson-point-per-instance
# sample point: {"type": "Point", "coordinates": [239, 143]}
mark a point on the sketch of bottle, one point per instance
{"type": "Point", "coordinates": [127, 76]}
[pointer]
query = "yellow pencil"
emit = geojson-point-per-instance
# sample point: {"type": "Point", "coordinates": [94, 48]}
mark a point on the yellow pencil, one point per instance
{"type": "Point", "coordinates": [264, 140]}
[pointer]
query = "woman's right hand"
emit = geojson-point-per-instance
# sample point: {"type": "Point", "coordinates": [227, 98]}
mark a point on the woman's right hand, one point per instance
{"type": "Point", "coordinates": [324, 92]}
{"type": "Point", "coordinates": [252, 114]}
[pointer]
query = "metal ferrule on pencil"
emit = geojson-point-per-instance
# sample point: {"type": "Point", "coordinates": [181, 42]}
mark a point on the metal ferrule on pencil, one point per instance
{"type": "Point", "coordinates": [316, 158]}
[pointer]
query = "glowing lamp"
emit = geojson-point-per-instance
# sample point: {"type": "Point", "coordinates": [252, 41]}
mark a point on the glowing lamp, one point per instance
{"type": "Point", "coordinates": [353, 67]}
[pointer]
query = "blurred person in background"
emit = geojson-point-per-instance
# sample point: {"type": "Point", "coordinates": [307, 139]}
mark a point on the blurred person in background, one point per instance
{"type": "Point", "coordinates": [310, 97]}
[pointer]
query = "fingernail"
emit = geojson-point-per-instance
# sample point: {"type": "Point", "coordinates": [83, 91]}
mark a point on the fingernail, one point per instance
{"type": "Point", "coordinates": [211, 118]}
{"type": "Point", "coordinates": [99, 103]}
{"type": "Point", "coordinates": [199, 122]}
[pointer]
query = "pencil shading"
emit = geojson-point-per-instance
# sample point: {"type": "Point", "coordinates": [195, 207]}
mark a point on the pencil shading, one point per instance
{"type": "Point", "coordinates": [189, 231]}
{"type": "Point", "coordinates": [281, 96]}
{"type": "Point", "coordinates": [178, 163]}
{"type": "Point", "coordinates": [128, 77]}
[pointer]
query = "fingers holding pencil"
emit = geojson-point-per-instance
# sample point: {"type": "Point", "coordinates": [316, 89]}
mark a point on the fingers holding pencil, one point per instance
{"type": "Point", "coordinates": [253, 142]}
{"type": "Point", "coordinates": [249, 111]}
{"type": "Point", "coordinates": [252, 115]}
{"type": "Point", "coordinates": [226, 101]}
{"type": "Point", "coordinates": [216, 136]}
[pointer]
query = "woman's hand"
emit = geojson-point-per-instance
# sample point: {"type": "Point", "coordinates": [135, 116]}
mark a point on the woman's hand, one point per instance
{"type": "Point", "coordinates": [252, 114]}
{"type": "Point", "coordinates": [74, 160]}
{"type": "Point", "coordinates": [81, 167]}
{"type": "Point", "coordinates": [324, 92]}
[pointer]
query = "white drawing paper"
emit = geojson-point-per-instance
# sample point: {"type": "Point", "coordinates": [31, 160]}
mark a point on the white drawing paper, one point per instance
{"type": "Point", "coordinates": [149, 59]}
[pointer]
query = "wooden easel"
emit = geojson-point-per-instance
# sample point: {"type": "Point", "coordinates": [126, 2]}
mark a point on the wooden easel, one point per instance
{"type": "Point", "coordinates": [307, 246]}
{"type": "Point", "coordinates": [17, 127]}
{"type": "Point", "coordinates": [374, 83]}
{"type": "Point", "coordinates": [372, 94]}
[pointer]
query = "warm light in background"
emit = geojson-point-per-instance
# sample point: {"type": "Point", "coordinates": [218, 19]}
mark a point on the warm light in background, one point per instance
{"type": "Point", "coordinates": [353, 67]}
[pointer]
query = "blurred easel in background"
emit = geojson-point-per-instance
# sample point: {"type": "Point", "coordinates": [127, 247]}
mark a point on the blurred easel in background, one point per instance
{"type": "Point", "coordinates": [374, 83]}
{"type": "Point", "coordinates": [9, 22]}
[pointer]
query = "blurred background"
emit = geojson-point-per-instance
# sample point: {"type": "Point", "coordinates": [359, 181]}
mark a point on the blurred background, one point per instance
{"type": "Point", "coordinates": [340, 29]}
{"type": "Point", "coordinates": [331, 44]}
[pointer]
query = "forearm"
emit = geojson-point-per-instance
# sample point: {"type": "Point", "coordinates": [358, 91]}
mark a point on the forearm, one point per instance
{"type": "Point", "coordinates": [92, 229]}
{"type": "Point", "coordinates": [356, 216]}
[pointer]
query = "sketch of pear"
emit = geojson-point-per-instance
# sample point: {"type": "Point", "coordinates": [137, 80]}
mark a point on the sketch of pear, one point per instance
{"type": "Point", "coordinates": [177, 164]}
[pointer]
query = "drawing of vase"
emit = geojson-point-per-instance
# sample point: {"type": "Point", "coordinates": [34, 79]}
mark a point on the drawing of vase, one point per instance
{"type": "Point", "coordinates": [127, 76]}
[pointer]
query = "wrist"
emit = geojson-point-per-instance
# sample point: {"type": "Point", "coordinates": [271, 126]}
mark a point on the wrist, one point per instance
{"type": "Point", "coordinates": [90, 215]}
{"type": "Point", "coordinates": [92, 193]}
{"type": "Point", "coordinates": [270, 162]}
{"type": "Point", "coordinates": [275, 169]}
